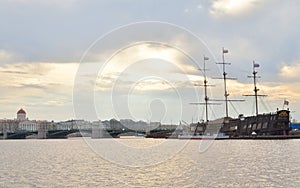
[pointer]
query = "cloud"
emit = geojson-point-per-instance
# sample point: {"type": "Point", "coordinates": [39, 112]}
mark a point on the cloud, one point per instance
{"type": "Point", "coordinates": [232, 7]}
{"type": "Point", "coordinates": [290, 72]}
{"type": "Point", "coordinates": [133, 63]}
{"type": "Point", "coordinates": [266, 31]}
{"type": "Point", "coordinates": [43, 74]}
{"type": "Point", "coordinates": [43, 87]}
{"type": "Point", "coordinates": [53, 3]}
{"type": "Point", "coordinates": [6, 56]}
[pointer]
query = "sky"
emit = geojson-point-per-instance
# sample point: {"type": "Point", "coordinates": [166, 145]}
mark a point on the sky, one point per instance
{"type": "Point", "coordinates": [142, 60]}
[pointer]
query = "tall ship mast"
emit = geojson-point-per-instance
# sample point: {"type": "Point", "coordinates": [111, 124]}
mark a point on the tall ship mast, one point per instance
{"type": "Point", "coordinates": [255, 65]}
{"type": "Point", "coordinates": [205, 89]}
{"type": "Point", "coordinates": [225, 78]}
{"type": "Point", "coordinates": [205, 85]}
{"type": "Point", "coordinates": [226, 94]}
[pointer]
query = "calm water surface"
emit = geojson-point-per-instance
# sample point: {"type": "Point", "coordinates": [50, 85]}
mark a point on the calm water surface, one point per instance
{"type": "Point", "coordinates": [76, 163]}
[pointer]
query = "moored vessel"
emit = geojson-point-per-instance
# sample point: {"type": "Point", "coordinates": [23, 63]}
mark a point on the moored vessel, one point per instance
{"type": "Point", "coordinates": [274, 125]}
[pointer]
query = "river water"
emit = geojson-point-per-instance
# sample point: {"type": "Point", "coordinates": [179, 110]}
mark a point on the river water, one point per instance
{"type": "Point", "coordinates": [79, 162]}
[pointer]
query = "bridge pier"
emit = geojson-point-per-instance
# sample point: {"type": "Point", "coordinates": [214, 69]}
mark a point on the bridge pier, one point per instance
{"type": "Point", "coordinates": [97, 131]}
{"type": "Point", "coordinates": [42, 132]}
{"type": "Point", "coordinates": [4, 134]}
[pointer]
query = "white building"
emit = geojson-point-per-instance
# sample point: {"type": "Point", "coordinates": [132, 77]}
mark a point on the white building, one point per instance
{"type": "Point", "coordinates": [73, 124]}
{"type": "Point", "coordinates": [21, 115]}
{"type": "Point", "coordinates": [28, 125]}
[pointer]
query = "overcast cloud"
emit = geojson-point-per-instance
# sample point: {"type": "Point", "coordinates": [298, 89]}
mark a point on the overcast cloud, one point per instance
{"type": "Point", "coordinates": [43, 42]}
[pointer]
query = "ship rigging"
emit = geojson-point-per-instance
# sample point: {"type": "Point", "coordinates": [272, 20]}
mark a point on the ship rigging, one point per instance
{"type": "Point", "coordinates": [255, 65]}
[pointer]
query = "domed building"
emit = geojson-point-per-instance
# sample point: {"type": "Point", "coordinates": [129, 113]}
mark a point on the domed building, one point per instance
{"type": "Point", "coordinates": [21, 115]}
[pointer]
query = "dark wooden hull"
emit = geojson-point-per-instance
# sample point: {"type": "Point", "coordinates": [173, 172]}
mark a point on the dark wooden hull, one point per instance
{"type": "Point", "coordinates": [272, 124]}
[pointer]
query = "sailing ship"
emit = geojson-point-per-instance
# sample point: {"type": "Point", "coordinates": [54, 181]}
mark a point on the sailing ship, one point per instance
{"type": "Point", "coordinates": [268, 125]}
{"type": "Point", "coordinates": [274, 125]}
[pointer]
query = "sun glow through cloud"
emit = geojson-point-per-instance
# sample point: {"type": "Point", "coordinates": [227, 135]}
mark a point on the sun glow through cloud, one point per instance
{"type": "Point", "coordinates": [232, 7]}
{"type": "Point", "coordinates": [131, 62]}
{"type": "Point", "coordinates": [41, 42]}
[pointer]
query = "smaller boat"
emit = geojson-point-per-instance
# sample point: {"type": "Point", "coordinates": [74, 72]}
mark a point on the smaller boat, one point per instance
{"type": "Point", "coordinates": [218, 136]}
{"type": "Point", "coordinates": [131, 135]}
{"type": "Point", "coordinates": [206, 131]}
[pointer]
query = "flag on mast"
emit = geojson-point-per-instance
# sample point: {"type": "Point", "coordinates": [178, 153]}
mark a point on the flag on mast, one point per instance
{"type": "Point", "coordinates": [225, 51]}
{"type": "Point", "coordinates": [255, 65]}
{"type": "Point", "coordinates": [206, 58]}
{"type": "Point", "coordinates": [285, 102]}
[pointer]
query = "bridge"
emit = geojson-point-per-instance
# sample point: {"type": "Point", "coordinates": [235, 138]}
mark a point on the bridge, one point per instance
{"type": "Point", "coordinates": [41, 134]}
{"type": "Point", "coordinates": [95, 133]}
{"type": "Point", "coordinates": [116, 133]}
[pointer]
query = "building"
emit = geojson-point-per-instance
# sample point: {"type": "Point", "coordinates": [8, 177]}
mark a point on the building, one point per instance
{"type": "Point", "coordinates": [8, 125]}
{"type": "Point", "coordinates": [12, 125]}
{"type": "Point", "coordinates": [28, 125]}
{"type": "Point", "coordinates": [35, 125]}
{"type": "Point", "coordinates": [73, 124]}
{"type": "Point", "coordinates": [21, 115]}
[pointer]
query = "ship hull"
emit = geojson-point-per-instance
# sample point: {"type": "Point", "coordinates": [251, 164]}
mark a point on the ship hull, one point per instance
{"type": "Point", "coordinates": [263, 126]}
